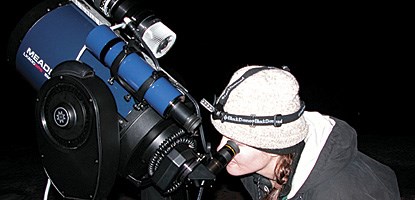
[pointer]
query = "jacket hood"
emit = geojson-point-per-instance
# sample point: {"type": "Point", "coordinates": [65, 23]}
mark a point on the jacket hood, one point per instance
{"type": "Point", "coordinates": [330, 146]}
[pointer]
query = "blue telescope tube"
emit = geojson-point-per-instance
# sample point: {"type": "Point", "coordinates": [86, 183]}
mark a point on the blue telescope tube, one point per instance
{"type": "Point", "coordinates": [58, 36]}
{"type": "Point", "coordinates": [133, 69]}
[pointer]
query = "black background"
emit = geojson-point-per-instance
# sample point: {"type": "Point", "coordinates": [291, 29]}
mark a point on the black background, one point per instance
{"type": "Point", "coordinates": [352, 60]}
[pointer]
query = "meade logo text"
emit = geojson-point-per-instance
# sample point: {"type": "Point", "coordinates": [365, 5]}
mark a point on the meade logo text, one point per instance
{"type": "Point", "coordinates": [38, 62]}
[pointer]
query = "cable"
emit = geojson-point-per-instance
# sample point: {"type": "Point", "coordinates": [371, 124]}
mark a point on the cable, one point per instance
{"type": "Point", "coordinates": [199, 196]}
{"type": "Point", "coordinates": [45, 197]}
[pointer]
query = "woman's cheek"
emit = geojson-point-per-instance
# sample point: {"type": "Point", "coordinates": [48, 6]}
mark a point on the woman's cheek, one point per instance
{"type": "Point", "coordinates": [249, 160]}
{"type": "Point", "coordinates": [238, 165]}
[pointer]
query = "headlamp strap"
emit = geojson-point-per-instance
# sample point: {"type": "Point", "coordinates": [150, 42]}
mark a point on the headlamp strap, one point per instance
{"type": "Point", "coordinates": [253, 120]}
{"type": "Point", "coordinates": [276, 120]}
{"type": "Point", "coordinates": [222, 99]}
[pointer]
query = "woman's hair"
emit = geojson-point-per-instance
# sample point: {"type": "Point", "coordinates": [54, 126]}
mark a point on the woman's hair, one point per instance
{"type": "Point", "coordinates": [282, 172]}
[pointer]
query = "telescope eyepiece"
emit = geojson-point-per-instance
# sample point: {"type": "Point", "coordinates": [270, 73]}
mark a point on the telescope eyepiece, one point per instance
{"type": "Point", "coordinates": [223, 157]}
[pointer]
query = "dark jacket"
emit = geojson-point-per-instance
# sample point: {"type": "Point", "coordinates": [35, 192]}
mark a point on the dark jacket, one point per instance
{"type": "Point", "coordinates": [341, 172]}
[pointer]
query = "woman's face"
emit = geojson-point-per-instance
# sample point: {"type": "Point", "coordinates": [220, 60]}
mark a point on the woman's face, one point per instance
{"type": "Point", "coordinates": [250, 160]}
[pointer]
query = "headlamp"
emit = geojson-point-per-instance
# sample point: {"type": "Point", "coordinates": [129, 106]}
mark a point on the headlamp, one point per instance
{"type": "Point", "coordinates": [218, 113]}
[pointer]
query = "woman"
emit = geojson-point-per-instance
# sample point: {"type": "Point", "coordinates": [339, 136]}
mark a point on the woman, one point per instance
{"type": "Point", "coordinates": [289, 153]}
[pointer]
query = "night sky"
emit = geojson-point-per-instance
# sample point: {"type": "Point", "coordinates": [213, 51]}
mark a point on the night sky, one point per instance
{"type": "Point", "coordinates": [352, 60]}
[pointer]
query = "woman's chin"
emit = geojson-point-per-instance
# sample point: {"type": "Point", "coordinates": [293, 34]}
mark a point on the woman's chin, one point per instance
{"type": "Point", "coordinates": [234, 170]}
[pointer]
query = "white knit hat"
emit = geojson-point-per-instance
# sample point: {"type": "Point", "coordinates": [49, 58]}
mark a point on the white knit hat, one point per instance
{"type": "Point", "coordinates": [268, 92]}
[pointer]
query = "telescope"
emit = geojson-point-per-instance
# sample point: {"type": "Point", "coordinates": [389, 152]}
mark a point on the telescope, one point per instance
{"type": "Point", "coordinates": [104, 107]}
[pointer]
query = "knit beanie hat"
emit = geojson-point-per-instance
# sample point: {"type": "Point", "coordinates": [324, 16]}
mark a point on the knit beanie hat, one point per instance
{"type": "Point", "coordinates": [262, 109]}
